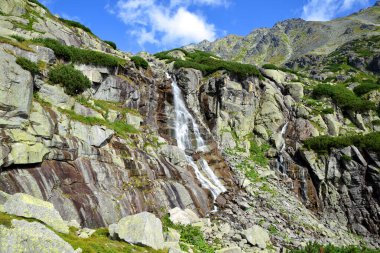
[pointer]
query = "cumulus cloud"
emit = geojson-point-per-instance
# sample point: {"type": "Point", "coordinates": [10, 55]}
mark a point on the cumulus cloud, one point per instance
{"type": "Point", "coordinates": [322, 10]}
{"type": "Point", "coordinates": [166, 23]}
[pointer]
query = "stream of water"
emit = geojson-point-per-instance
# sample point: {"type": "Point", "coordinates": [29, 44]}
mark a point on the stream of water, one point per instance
{"type": "Point", "coordinates": [185, 128]}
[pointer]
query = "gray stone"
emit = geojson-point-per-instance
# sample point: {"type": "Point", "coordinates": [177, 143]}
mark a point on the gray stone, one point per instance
{"type": "Point", "coordinates": [229, 250]}
{"type": "Point", "coordinates": [296, 91]}
{"type": "Point", "coordinates": [141, 229]}
{"type": "Point", "coordinates": [87, 112]}
{"type": "Point", "coordinates": [93, 135]}
{"type": "Point", "coordinates": [23, 153]}
{"type": "Point", "coordinates": [56, 96]}
{"type": "Point", "coordinates": [16, 89]}
{"type": "Point", "coordinates": [93, 73]}
{"type": "Point", "coordinates": [134, 120]}
{"type": "Point", "coordinates": [257, 236]}
{"type": "Point", "coordinates": [184, 217]}
{"type": "Point", "coordinates": [24, 205]}
{"type": "Point", "coordinates": [31, 237]}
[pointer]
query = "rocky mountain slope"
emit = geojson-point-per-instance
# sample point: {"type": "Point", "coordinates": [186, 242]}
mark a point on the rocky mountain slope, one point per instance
{"type": "Point", "coordinates": [96, 144]}
{"type": "Point", "coordinates": [291, 39]}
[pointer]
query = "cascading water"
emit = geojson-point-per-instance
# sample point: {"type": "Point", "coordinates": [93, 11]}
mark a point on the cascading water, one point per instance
{"type": "Point", "coordinates": [281, 166]}
{"type": "Point", "coordinates": [183, 121]}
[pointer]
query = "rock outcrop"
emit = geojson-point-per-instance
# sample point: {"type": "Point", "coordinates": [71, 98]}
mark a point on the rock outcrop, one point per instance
{"type": "Point", "coordinates": [141, 229]}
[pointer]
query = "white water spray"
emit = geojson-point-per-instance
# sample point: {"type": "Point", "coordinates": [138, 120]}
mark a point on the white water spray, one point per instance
{"type": "Point", "coordinates": [183, 121]}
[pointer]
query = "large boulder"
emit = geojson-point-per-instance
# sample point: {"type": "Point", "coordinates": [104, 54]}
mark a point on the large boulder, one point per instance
{"type": "Point", "coordinates": [142, 229]}
{"type": "Point", "coordinates": [184, 217]}
{"type": "Point", "coordinates": [23, 153]}
{"type": "Point", "coordinates": [257, 236]}
{"type": "Point", "coordinates": [24, 205]}
{"type": "Point", "coordinates": [16, 90]}
{"type": "Point", "coordinates": [31, 237]}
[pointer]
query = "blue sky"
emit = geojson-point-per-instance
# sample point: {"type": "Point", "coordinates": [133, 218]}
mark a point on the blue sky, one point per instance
{"type": "Point", "coordinates": [157, 25]}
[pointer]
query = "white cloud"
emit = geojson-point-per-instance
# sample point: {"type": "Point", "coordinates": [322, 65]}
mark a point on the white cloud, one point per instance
{"type": "Point", "coordinates": [322, 10]}
{"type": "Point", "coordinates": [166, 23]}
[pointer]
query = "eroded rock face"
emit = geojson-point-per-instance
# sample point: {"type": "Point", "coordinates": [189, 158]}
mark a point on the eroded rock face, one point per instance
{"type": "Point", "coordinates": [141, 229]}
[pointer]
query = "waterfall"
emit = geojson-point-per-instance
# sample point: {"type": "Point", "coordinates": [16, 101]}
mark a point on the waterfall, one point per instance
{"type": "Point", "coordinates": [281, 166]}
{"type": "Point", "coordinates": [185, 126]}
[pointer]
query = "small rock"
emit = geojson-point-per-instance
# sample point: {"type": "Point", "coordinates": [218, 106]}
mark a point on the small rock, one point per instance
{"type": "Point", "coordinates": [257, 236]}
{"type": "Point", "coordinates": [229, 250]}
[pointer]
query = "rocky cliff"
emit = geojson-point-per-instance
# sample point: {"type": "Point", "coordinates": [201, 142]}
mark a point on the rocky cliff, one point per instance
{"type": "Point", "coordinates": [269, 158]}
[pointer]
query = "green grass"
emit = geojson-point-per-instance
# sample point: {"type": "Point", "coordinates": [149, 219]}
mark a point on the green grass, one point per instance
{"type": "Point", "coordinates": [140, 62]}
{"type": "Point", "coordinates": [78, 55]}
{"type": "Point", "coordinates": [28, 65]}
{"type": "Point", "coordinates": [111, 43]}
{"type": "Point", "coordinates": [323, 144]}
{"type": "Point", "coordinates": [21, 45]}
{"type": "Point", "coordinates": [343, 97]}
{"type": "Point", "coordinates": [209, 63]}
{"type": "Point", "coordinates": [121, 128]}
{"type": "Point", "coordinates": [189, 235]}
{"type": "Point", "coordinates": [274, 67]}
{"type": "Point", "coordinates": [75, 24]}
{"type": "Point", "coordinates": [318, 248]}
{"type": "Point", "coordinates": [73, 81]}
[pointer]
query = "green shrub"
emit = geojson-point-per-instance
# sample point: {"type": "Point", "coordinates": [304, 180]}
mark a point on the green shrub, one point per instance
{"type": "Point", "coordinates": [28, 65]}
{"type": "Point", "coordinates": [75, 24]}
{"type": "Point", "coordinates": [38, 3]}
{"type": "Point", "coordinates": [323, 144]}
{"type": "Point", "coordinates": [140, 62]}
{"type": "Point", "coordinates": [270, 66]}
{"type": "Point", "coordinates": [318, 248]}
{"type": "Point", "coordinates": [78, 55]}
{"type": "Point", "coordinates": [111, 43]}
{"type": "Point", "coordinates": [209, 63]}
{"type": "Point", "coordinates": [189, 235]}
{"type": "Point", "coordinates": [71, 79]}
{"type": "Point", "coordinates": [18, 38]}
{"type": "Point", "coordinates": [345, 98]}
{"type": "Point", "coordinates": [364, 88]}
{"type": "Point", "coordinates": [61, 51]}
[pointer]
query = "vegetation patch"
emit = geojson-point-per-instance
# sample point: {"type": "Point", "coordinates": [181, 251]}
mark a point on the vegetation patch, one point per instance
{"type": "Point", "coordinates": [111, 43]}
{"type": "Point", "coordinates": [318, 248]}
{"type": "Point", "coordinates": [274, 67]}
{"type": "Point", "coordinates": [78, 55]}
{"type": "Point", "coordinates": [18, 38]}
{"type": "Point", "coordinates": [140, 62]}
{"type": "Point", "coordinates": [209, 63]}
{"type": "Point", "coordinates": [364, 88]}
{"type": "Point", "coordinates": [323, 144]}
{"type": "Point", "coordinates": [189, 235]}
{"type": "Point", "coordinates": [345, 98]}
{"type": "Point", "coordinates": [120, 127]}
{"type": "Point", "coordinates": [28, 65]}
{"type": "Point", "coordinates": [38, 3]}
{"type": "Point", "coordinates": [76, 25]}
{"type": "Point", "coordinates": [21, 45]}
{"type": "Point", "coordinates": [73, 81]}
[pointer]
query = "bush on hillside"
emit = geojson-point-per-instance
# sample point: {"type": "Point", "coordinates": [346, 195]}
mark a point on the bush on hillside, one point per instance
{"type": "Point", "coordinates": [111, 43]}
{"type": "Point", "coordinates": [18, 38]}
{"type": "Point", "coordinates": [140, 62]}
{"type": "Point", "coordinates": [38, 3]}
{"type": "Point", "coordinates": [364, 88]}
{"type": "Point", "coordinates": [323, 144]}
{"type": "Point", "coordinates": [345, 98]}
{"type": "Point", "coordinates": [78, 55]}
{"type": "Point", "coordinates": [75, 24]}
{"type": "Point", "coordinates": [73, 81]}
{"type": "Point", "coordinates": [28, 65]}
